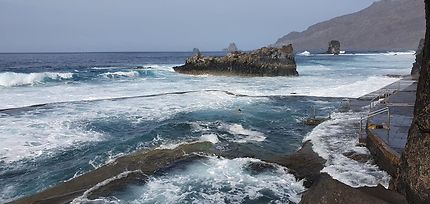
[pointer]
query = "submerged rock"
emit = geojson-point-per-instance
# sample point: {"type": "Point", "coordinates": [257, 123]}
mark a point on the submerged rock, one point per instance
{"type": "Point", "coordinates": [416, 67]}
{"type": "Point", "coordinates": [333, 47]}
{"type": "Point", "coordinates": [262, 62]}
{"type": "Point", "coordinates": [259, 167]}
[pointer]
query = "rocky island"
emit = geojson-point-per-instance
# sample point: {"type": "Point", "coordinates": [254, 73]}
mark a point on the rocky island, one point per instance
{"type": "Point", "coordinates": [333, 47]}
{"type": "Point", "coordinates": [262, 62]}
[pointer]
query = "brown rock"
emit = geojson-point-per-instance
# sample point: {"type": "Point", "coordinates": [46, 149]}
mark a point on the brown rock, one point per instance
{"type": "Point", "coordinates": [326, 190]}
{"type": "Point", "coordinates": [304, 164]}
{"type": "Point", "coordinates": [262, 62]}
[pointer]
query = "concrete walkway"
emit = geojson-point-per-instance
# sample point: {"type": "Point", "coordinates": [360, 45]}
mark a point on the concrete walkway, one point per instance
{"type": "Point", "coordinates": [401, 110]}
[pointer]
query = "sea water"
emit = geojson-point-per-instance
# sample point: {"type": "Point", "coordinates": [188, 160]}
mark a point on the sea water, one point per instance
{"type": "Point", "coordinates": [65, 114]}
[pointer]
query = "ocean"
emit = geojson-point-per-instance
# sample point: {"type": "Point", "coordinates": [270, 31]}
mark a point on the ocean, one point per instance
{"type": "Point", "coordinates": [65, 114]}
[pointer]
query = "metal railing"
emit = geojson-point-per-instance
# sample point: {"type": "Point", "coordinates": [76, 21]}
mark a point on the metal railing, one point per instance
{"type": "Point", "coordinates": [373, 114]}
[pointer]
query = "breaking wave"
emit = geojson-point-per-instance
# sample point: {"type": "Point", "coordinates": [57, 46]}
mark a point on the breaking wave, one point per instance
{"type": "Point", "coordinates": [10, 79]}
{"type": "Point", "coordinates": [337, 137]}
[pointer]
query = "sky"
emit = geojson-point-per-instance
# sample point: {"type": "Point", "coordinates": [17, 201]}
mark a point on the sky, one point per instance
{"type": "Point", "coordinates": [157, 25]}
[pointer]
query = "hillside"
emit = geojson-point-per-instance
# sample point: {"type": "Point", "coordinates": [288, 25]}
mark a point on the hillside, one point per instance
{"type": "Point", "coordinates": [385, 25]}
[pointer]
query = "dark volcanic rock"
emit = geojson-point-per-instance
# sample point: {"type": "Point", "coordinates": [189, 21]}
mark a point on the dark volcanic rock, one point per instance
{"type": "Point", "coordinates": [362, 158]}
{"type": "Point", "coordinates": [326, 190]}
{"type": "Point", "coordinates": [414, 178]}
{"type": "Point", "coordinates": [129, 169]}
{"type": "Point", "coordinates": [416, 68]}
{"type": "Point", "coordinates": [262, 62]}
{"type": "Point", "coordinates": [333, 47]}
{"type": "Point", "coordinates": [304, 164]}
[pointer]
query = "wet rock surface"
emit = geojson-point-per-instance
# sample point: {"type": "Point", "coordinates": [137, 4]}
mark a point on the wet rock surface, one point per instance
{"type": "Point", "coordinates": [327, 190]}
{"type": "Point", "coordinates": [362, 158]}
{"type": "Point", "coordinates": [129, 169]}
{"type": "Point", "coordinates": [304, 164]}
{"type": "Point", "coordinates": [262, 62]}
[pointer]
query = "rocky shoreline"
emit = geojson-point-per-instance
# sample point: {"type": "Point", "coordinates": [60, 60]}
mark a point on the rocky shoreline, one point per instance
{"type": "Point", "coordinates": [305, 164]}
{"type": "Point", "coordinates": [259, 63]}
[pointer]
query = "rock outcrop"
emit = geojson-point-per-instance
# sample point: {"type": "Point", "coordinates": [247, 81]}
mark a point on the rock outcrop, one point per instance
{"type": "Point", "coordinates": [333, 47]}
{"type": "Point", "coordinates": [326, 190]}
{"type": "Point", "coordinates": [262, 62]}
{"type": "Point", "coordinates": [415, 73]}
{"type": "Point", "coordinates": [196, 51]}
{"type": "Point", "coordinates": [231, 48]}
{"type": "Point", "coordinates": [385, 25]}
{"type": "Point", "coordinates": [414, 172]}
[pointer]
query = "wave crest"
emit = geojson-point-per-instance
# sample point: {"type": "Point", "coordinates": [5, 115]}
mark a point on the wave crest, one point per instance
{"type": "Point", "coordinates": [10, 79]}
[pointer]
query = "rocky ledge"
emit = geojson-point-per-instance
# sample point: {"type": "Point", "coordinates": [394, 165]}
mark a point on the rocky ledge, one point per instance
{"type": "Point", "coordinates": [261, 62]}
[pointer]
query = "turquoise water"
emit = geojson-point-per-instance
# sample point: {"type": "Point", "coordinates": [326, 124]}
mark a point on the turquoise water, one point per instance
{"type": "Point", "coordinates": [65, 114]}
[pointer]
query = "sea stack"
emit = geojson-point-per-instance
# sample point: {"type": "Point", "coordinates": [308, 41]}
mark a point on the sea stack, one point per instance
{"type": "Point", "coordinates": [333, 47]}
{"type": "Point", "coordinates": [196, 51]}
{"type": "Point", "coordinates": [262, 62]}
{"type": "Point", "coordinates": [231, 48]}
{"type": "Point", "coordinates": [416, 67]}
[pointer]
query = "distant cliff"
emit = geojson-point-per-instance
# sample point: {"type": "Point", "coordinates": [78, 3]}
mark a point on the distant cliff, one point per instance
{"type": "Point", "coordinates": [385, 25]}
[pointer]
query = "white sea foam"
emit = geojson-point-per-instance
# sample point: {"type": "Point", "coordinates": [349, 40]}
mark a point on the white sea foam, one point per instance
{"type": "Point", "coordinates": [215, 180]}
{"type": "Point", "coordinates": [84, 197]}
{"type": "Point", "coordinates": [238, 132]}
{"type": "Point", "coordinates": [43, 132]}
{"type": "Point", "coordinates": [332, 139]}
{"type": "Point", "coordinates": [213, 138]}
{"type": "Point", "coordinates": [241, 134]}
{"type": "Point", "coordinates": [355, 89]}
{"type": "Point", "coordinates": [164, 67]}
{"type": "Point", "coordinates": [305, 53]}
{"type": "Point", "coordinates": [120, 74]}
{"type": "Point", "coordinates": [9, 79]}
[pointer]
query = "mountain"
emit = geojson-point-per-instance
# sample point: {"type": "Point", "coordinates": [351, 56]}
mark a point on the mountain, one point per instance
{"type": "Point", "coordinates": [386, 25]}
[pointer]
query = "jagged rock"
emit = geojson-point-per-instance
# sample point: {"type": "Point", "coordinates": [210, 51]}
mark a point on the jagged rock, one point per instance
{"type": "Point", "coordinates": [414, 177]}
{"type": "Point", "coordinates": [418, 60]}
{"type": "Point", "coordinates": [303, 164]}
{"type": "Point", "coordinates": [262, 62]}
{"type": "Point", "coordinates": [333, 47]}
{"type": "Point", "coordinates": [196, 51]}
{"type": "Point", "coordinates": [231, 48]}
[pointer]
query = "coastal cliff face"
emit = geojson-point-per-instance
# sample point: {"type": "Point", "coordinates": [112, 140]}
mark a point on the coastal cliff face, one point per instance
{"type": "Point", "coordinates": [414, 178]}
{"type": "Point", "coordinates": [385, 25]}
{"type": "Point", "coordinates": [262, 62]}
{"type": "Point", "coordinates": [416, 68]}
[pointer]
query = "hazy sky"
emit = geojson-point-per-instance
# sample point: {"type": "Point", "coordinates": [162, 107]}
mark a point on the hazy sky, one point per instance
{"type": "Point", "coordinates": [157, 25]}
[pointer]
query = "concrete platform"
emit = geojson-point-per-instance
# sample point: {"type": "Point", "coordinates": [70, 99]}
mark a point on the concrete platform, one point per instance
{"type": "Point", "coordinates": [388, 142]}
